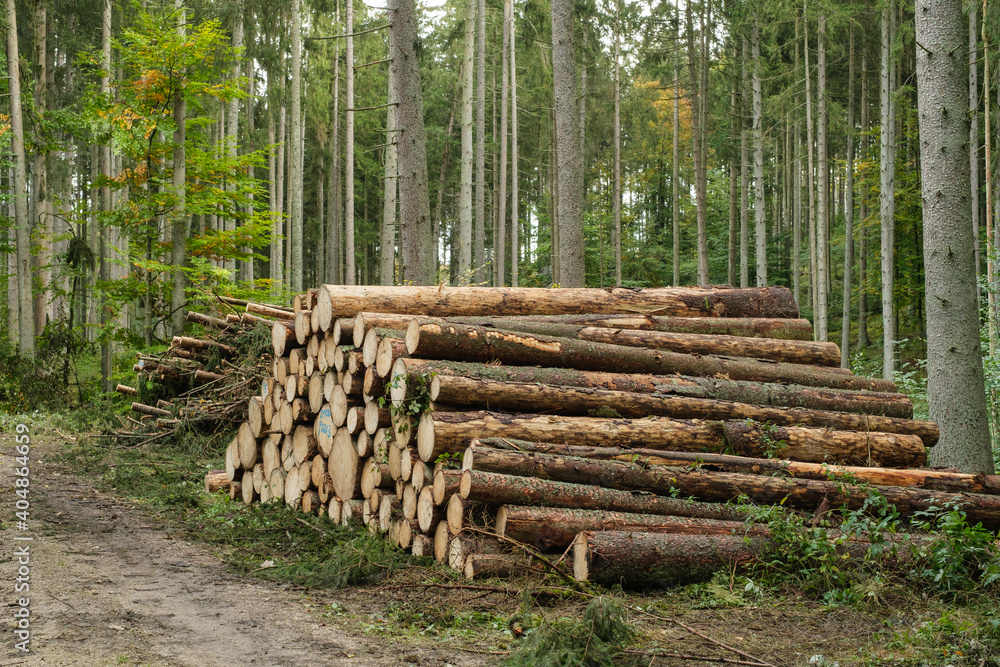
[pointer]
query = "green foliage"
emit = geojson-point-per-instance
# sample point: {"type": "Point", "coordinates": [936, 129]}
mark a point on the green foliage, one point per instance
{"type": "Point", "coordinates": [961, 559]}
{"type": "Point", "coordinates": [46, 380]}
{"type": "Point", "coordinates": [595, 639]}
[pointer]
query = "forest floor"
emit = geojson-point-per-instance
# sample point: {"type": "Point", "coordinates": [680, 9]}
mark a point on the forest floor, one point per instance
{"type": "Point", "coordinates": [116, 582]}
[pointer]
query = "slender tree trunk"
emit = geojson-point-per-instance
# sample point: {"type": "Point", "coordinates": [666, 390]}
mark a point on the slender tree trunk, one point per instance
{"type": "Point", "coordinates": [178, 254]}
{"type": "Point", "coordinates": [467, 160]}
{"type": "Point", "coordinates": [387, 256]}
{"type": "Point", "coordinates": [797, 223]}
{"type": "Point", "coordinates": [810, 183]}
{"type": "Point", "coordinates": [974, 133]}
{"type": "Point", "coordinates": [845, 321]}
{"type": "Point", "coordinates": [499, 232]}
{"type": "Point", "coordinates": [568, 159]}
{"type": "Point", "coordinates": [954, 355]}
{"type": "Point", "coordinates": [417, 240]}
{"type": "Point", "coordinates": [760, 227]}
{"type": "Point", "coordinates": [745, 169]}
{"type": "Point", "coordinates": [442, 172]}
{"type": "Point", "coordinates": [734, 179]}
{"type": "Point", "coordinates": [42, 218]}
{"type": "Point", "coordinates": [617, 204]}
{"type": "Point", "coordinates": [991, 324]}
{"type": "Point", "coordinates": [515, 248]}
{"type": "Point", "coordinates": [887, 193]}
{"type": "Point", "coordinates": [278, 207]}
{"type": "Point", "coordinates": [823, 208]}
{"type": "Point", "coordinates": [179, 217]}
{"type": "Point", "coordinates": [247, 270]}
{"type": "Point", "coordinates": [25, 329]}
{"type": "Point", "coordinates": [335, 235]}
{"type": "Point", "coordinates": [350, 271]}
{"type": "Point", "coordinates": [232, 122]}
{"type": "Point", "coordinates": [696, 136]}
{"type": "Point", "coordinates": [676, 163]}
{"type": "Point", "coordinates": [479, 232]}
{"type": "Point", "coordinates": [295, 156]}
{"type": "Point", "coordinates": [863, 211]}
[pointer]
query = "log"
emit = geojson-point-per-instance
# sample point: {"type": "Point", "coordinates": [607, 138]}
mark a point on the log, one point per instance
{"type": "Point", "coordinates": [555, 399]}
{"type": "Point", "coordinates": [721, 487]}
{"type": "Point", "coordinates": [451, 432]}
{"type": "Point", "coordinates": [270, 453]}
{"type": "Point", "coordinates": [446, 483]}
{"type": "Point", "coordinates": [374, 386]}
{"type": "Point", "coordinates": [441, 540]}
{"type": "Point", "coordinates": [498, 489]}
{"type": "Point", "coordinates": [461, 547]}
{"type": "Point", "coordinates": [233, 468]}
{"type": "Point", "coordinates": [500, 566]}
{"type": "Point", "coordinates": [335, 510]}
{"type": "Point", "coordinates": [276, 484]}
{"type": "Point", "coordinates": [248, 447]}
{"type": "Point", "coordinates": [246, 488]}
{"type": "Point", "coordinates": [468, 343]}
{"type": "Point", "coordinates": [303, 327]}
{"type": "Point", "coordinates": [217, 480]}
{"type": "Point", "coordinates": [376, 417]}
{"type": "Point", "coordinates": [255, 415]}
{"type": "Point", "coordinates": [793, 396]}
{"type": "Point", "coordinates": [258, 477]}
{"type": "Point", "coordinates": [374, 475]}
{"type": "Point", "coordinates": [440, 301]}
{"type": "Point", "coordinates": [126, 390]}
{"type": "Point", "coordinates": [310, 502]}
{"type": "Point", "coordinates": [786, 329]}
{"type": "Point", "coordinates": [478, 455]}
{"type": "Point", "coordinates": [421, 546]}
{"type": "Point", "coordinates": [199, 344]}
{"type": "Point", "coordinates": [554, 527]}
{"type": "Point", "coordinates": [659, 560]}
{"type": "Point", "coordinates": [344, 467]}
{"type": "Point", "coordinates": [429, 513]}
{"type": "Point", "coordinates": [207, 320]}
{"type": "Point", "coordinates": [389, 349]}
{"type": "Point", "coordinates": [775, 349]}
{"type": "Point", "coordinates": [283, 337]}
{"type": "Point", "coordinates": [267, 310]}
{"type": "Point", "coordinates": [144, 409]}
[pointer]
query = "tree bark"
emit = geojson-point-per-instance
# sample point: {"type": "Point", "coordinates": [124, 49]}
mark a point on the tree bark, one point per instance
{"type": "Point", "coordinates": [179, 216]}
{"type": "Point", "coordinates": [617, 131]}
{"type": "Point", "coordinates": [553, 399]}
{"type": "Point", "coordinates": [887, 192]}
{"type": "Point", "coordinates": [845, 320]}
{"type": "Point", "coordinates": [556, 527]}
{"type": "Point", "coordinates": [569, 162]}
{"type": "Point", "coordinates": [823, 208]}
{"type": "Point", "coordinates": [512, 490]}
{"type": "Point", "coordinates": [745, 169]}
{"type": "Point", "coordinates": [451, 341]}
{"type": "Point", "coordinates": [295, 221]}
{"type": "Point", "coordinates": [417, 240]}
{"type": "Point", "coordinates": [464, 253]}
{"type": "Point", "coordinates": [711, 486]}
{"type": "Point", "coordinates": [508, 456]}
{"type": "Point", "coordinates": [792, 396]}
{"type": "Point", "coordinates": [344, 301]}
{"type": "Point", "coordinates": [479, 240]}
{"type": "Point", "coordinates": [954, 351]}
{"type": "Point", "coordinates": [760, 220]}
{"type": "Point", "coordinates": [387, 245]}
{"type": "Point", "coordinates": [450, 432]}
{"type": "Point", "coordinates": [499, 231]}
{"type": "Point", "coordinates": [515, 247]}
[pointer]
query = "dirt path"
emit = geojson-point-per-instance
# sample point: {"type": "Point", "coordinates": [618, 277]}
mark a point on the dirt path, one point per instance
{"type": "Point", "coordinates": [110, 587]}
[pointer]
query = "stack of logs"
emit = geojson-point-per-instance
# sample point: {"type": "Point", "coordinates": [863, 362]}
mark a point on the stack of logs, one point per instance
{"type": "Point", "coordinates": [480, 426]}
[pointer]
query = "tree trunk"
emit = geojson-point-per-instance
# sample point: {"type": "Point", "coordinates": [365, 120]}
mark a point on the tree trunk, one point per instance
{"type": "Point", "coordinates": [479, 242]}
{"type": "Point", "coordinates": [555, 399]}
{"type": "Point", "coordinates": [468, 343]}
{"type": "Point", "coordinates": [512, 490]}
{"type": "Point", "coordinates": [713, 486]}
{"type": "Point", "coordinates": [465, 196]}
{"type": "Point", "coordinates": [810, 176]}
{"type": "Point", "coordinates": [515, 248]}
{"type": "Point", "coordinates": [734, 182]}
{"type": "Point", "coordinates": [551, 527]}
{"type": "Point", "coordinates": [887, 193]}
{"type": "Point", "coordinates": [350, 270]}
{"type": "Point", "coordinates": [954, 351]}
{"type": "Point", "coordinates": [345, 301]}
{"type": "Point", "coordinates": [696, 137]}
{"type": "Point", "coordinates": [617, 195]}
{"type": "Point", "coordinates": [232, 125]}
{"type": "Point", "coordinates": [760, 221]}
{"type": "Point", "coordinates": [675, 164]}
{"type": "Point", "coordinates": [745, 169]}
{"type": "Point", "coordinates": [974, 133]}
{"type": "Point", "coordinates": [568, 159]}
{"type": "Point", "coordinates": [499, 231]}
{"type": "Point", "coordinates": [863, 216]}
{"type": "Point", "coordinates": [179, 217]}
{"type": "Point", "coordinates": [387, 254]}
{"type": "Point", "coordinates": [862, 402]}
{"type": "Point", "coordinates": [797, 185]}
{"type": "Point", "coordinates": [502, 455]}
{"type": "Point", "coordinates": [845, 320]}
{"type": "Point", "coordinates": [295, 221]}
{"type": "Point", "coordinates": [450, 432]}
{"type": "Point", "coordinates": [335, 233]}
{"type": "Point", "coordinates": [823, 208]}
{"type": "Point", "coordinates": [417, 240]}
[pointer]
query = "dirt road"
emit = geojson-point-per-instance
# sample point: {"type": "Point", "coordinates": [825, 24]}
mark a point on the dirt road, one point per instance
{"type": "Point", "coordinates": [108, 586]}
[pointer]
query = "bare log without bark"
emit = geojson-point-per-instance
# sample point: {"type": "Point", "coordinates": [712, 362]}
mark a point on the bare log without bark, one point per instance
{"type": "Point", "coordinates": [451, 432]}
{"type": "Point", "coordinates": [554, 399]}
{"type": "Point", "coordinates": [217, 480]}
{"type": "Point", "coordinates": [866, 402]}
{"type": "Point", "coordinates": [449, 341]}
{"type": "Point", "coordinates": [447, 301]}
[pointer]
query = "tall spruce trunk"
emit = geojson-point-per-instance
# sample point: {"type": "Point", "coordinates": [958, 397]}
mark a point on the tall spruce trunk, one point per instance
{"type": "Point", "coordinates": [823, 199]}
{"type": "Point", "coordinates": [760, 220]}
{"type": "Point", "coordinates": [676, 173]}
{"type": "Point", "coordinates": [417, 239]}
{"type": "Point", "coordinates": [387, 249]}
{"type": "Point", "coordinates": [694, 76]}
{"type": "Point", "coordinates": [863, 212]}
{"type": "Point", "coordinates": [845, 320]}
{"type": "Point", "coordinates": [465, 196]}
{"type": "Point", "coordinates": [479, 231]}
{"type": "Point", "coordinates": [179, 232]}
{"type": "Point", "coordinates": [797, 222]}
{"type": "Point", "coordinates": [295, 155]}
{"type": "Point", "coordinates": [179, 217]}
{"type": "Point", "coordinates": [42, 217]}
{"type": "Point", "coordinates": [232, 125]}
{"type": "Point", "coordinates": [617, 203]}
{"type": "Point", "coordinates": [568, 159]}
{"type": "Point", "coordinates": [954, 352]}
{"type": "Point", "coordinates": [745, 170]}
{"type": "Point", "coordinates": [887, 193]}
{"type": "Point", "coordinates": [515, 248]}
{"type": "Point", "coordinates": [810, 174]}
{"type": "Point", "coordinates": [334, 250]}
{"type": "Point", "coordinates": [734, 182]}
{"type": "Point", "coordinates": [499, 232]}
{"type": "Point", "coordinates": [350, 271]}
{"type": "Point", "coordinates": [974, 132]}
{"type": "Point", "coordinates": [25, 329]}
